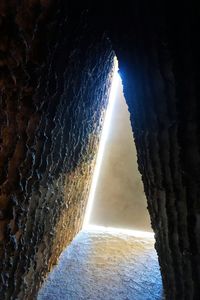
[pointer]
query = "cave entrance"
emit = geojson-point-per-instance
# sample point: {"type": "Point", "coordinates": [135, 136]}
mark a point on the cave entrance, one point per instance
{"type": "Point", "coordinates": [116, 198]}
{"type": "Point", "coordinates": [113, 257]}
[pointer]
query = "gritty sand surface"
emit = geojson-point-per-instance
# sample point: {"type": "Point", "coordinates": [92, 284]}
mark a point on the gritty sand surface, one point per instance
{"type": "Point", "coordinates": [107, 266]}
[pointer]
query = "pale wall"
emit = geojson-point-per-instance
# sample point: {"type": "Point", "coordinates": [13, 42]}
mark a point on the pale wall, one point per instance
{"type": "Point", "coordinates": [119, 198]}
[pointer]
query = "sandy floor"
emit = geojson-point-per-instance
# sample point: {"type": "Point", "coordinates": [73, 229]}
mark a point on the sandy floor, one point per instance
{"type": "Point", "coordinates": [108, 266]}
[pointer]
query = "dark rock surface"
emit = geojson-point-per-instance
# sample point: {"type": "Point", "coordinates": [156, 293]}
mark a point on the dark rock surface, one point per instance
{"type": "Point", "coordinates": [54, 90]}
{"type": "Point", "coordinates": [53, 64]}
{"type": "Point", "coordinates": [159, 61]}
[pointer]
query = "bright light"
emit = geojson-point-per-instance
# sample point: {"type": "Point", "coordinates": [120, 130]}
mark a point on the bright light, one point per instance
{"type": "Point", "coordinates": [135, 233]}
{"type": "Point", "coordinates": [105, 130]}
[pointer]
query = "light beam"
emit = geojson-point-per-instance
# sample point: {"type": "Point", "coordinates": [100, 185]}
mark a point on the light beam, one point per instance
{"type": "Point", "coordinates": [104, 134]}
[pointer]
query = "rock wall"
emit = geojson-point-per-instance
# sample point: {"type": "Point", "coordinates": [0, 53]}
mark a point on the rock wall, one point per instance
{"type": "Point", "coordinates": [158, 53]}
{"type": "Point", "coordinates": [55, 80]}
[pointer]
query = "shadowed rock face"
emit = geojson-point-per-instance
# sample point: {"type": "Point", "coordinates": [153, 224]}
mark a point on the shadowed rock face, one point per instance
{"type": "Point", "coordinates": [53, 80]}
{"type": "Point", "coordinates": [159, 64]}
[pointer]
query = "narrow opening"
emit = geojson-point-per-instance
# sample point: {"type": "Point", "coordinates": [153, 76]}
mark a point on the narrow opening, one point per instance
{"type": "Point", "coordinates": [116, 200]}
{"type": "Point", "coordinates": [113, 257]}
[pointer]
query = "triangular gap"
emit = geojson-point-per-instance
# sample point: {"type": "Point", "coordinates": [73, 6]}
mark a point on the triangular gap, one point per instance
{"type": "Point", "coordinates": [116, 198]}
{"type": "Point", "coordinates": [124, 258]}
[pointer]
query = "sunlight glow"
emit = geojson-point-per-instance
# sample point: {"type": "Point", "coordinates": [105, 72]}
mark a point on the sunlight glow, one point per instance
{"type": "Point", "coordinates": [104, 135]}
{"type": "Point", "coordinates": [105, 130]}
{"type": "Point", "coordinates": [135, 233]}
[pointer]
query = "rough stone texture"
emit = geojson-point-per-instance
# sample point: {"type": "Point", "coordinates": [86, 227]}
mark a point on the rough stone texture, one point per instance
{"type": "Point", "coordinates": [158, 51]}
{"type": "Point", "coordinates": [54, 87]}
{"type": "Point", "coordinates": [159, 62]}
{"type": "Point", "coordinates": [107, 266]}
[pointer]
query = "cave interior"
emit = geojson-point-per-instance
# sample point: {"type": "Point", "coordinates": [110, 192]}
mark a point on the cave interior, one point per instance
{"type": "Point", "coordinates": [56, 61]}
